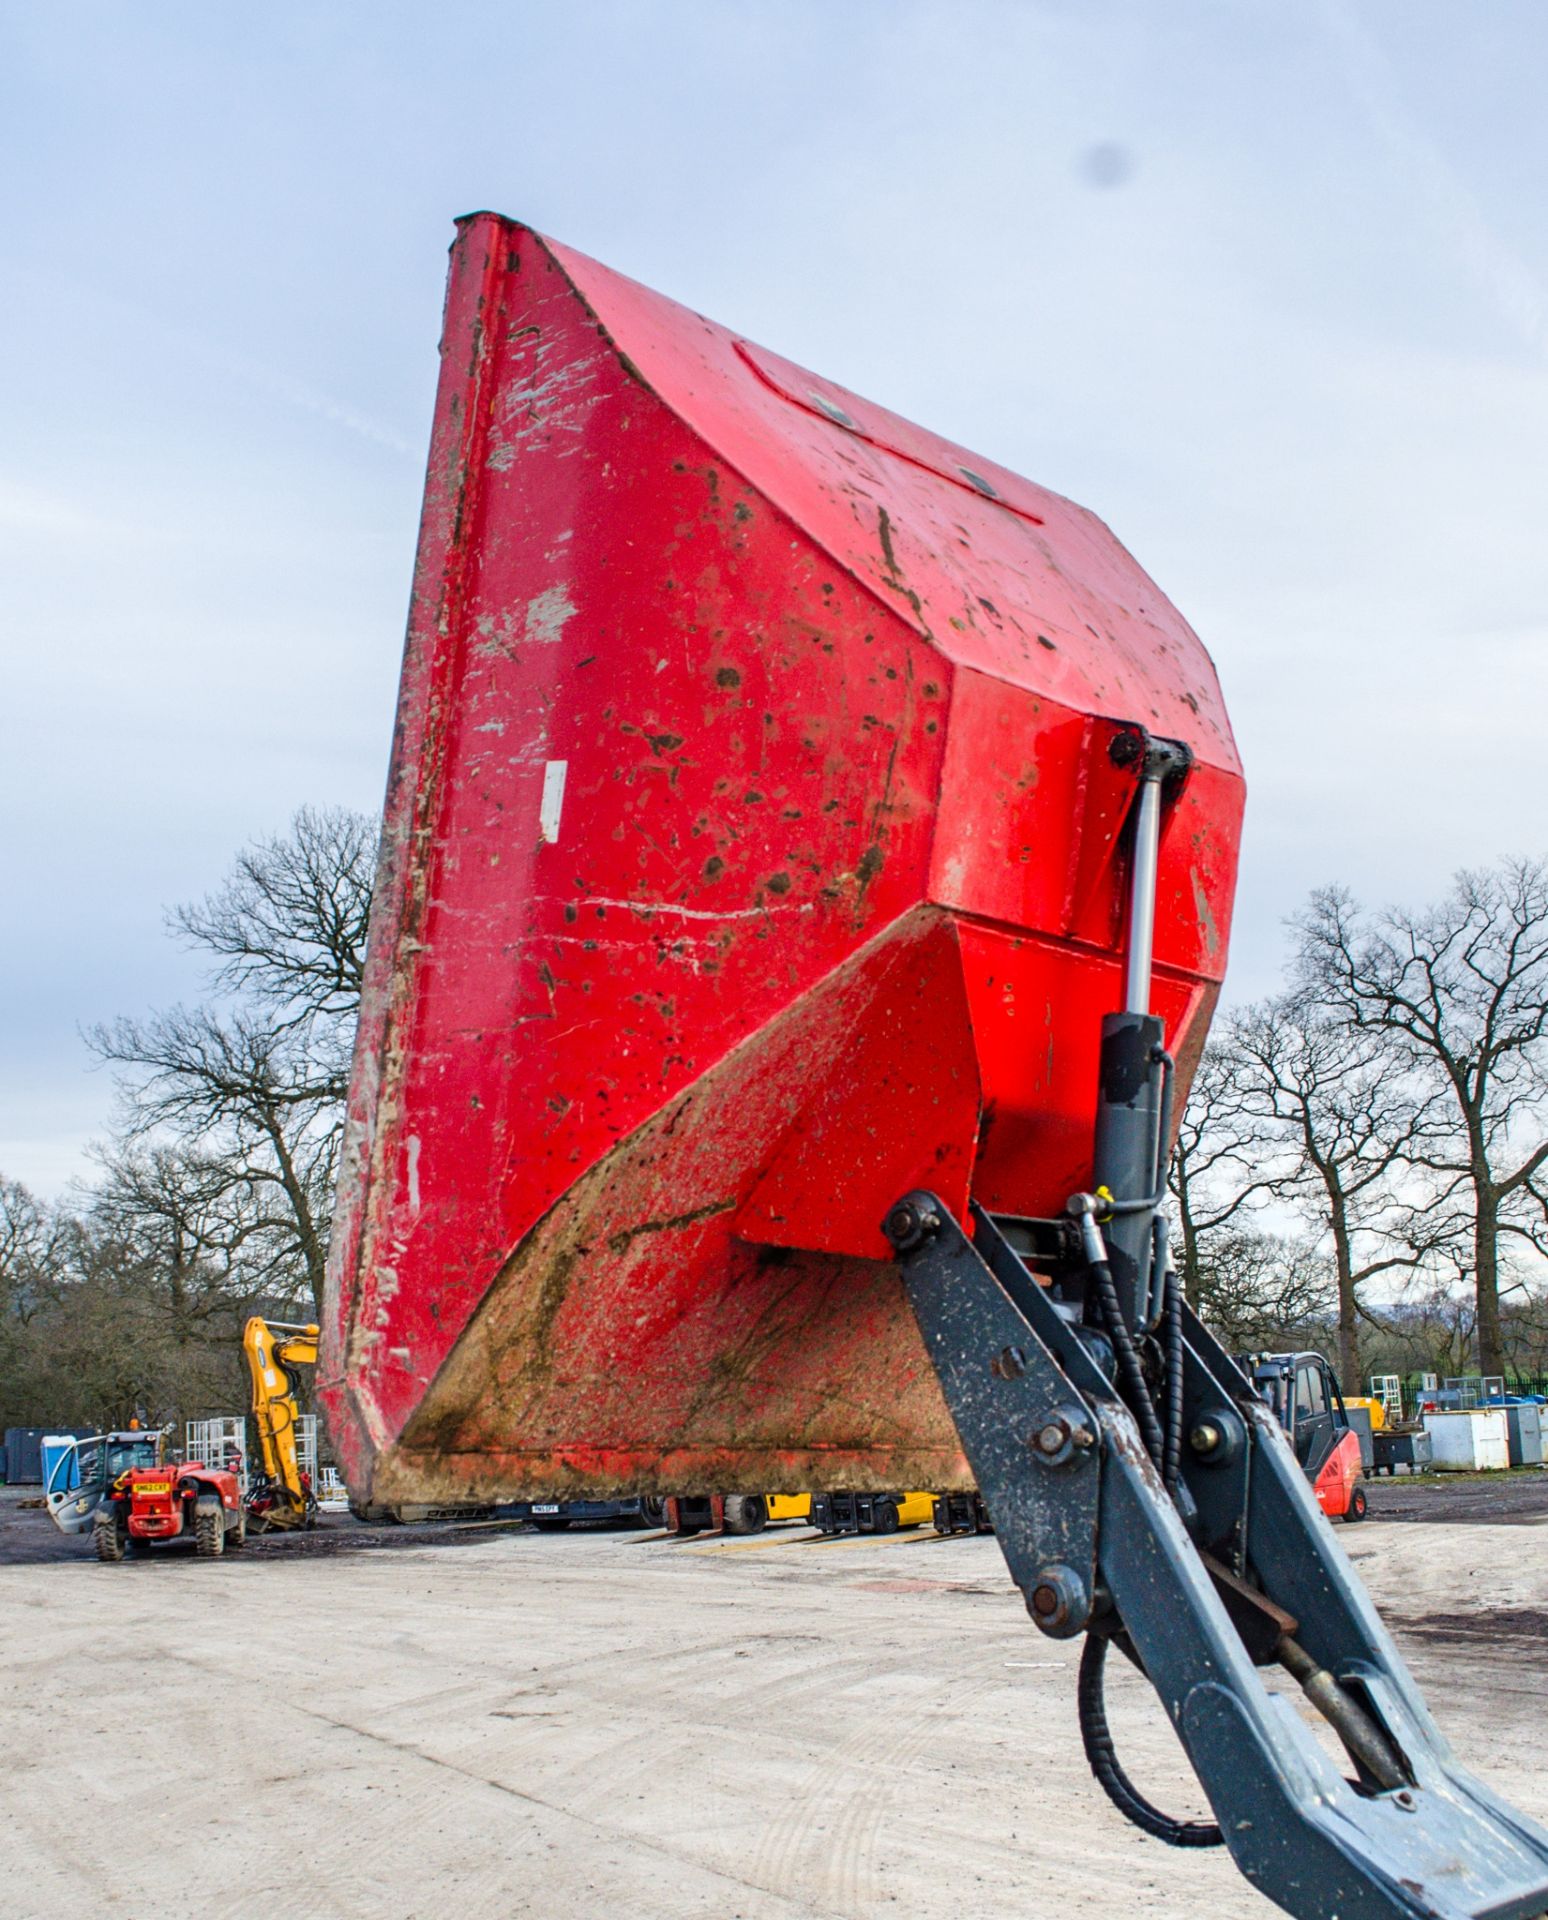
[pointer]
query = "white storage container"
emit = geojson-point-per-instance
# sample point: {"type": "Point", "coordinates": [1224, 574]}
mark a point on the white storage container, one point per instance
{"type": "Point", "coordinates": [1476, 1440]}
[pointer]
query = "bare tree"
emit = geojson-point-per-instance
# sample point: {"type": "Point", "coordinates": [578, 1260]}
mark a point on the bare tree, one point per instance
{"type": "Point", "coordinates": [249, 1089]}
{"type": "Point", "coordinates": [128, 1298]}
{"type": "Point", "coordinates": [1524, 1330]}
{"type": "Point", "coordinates": [32, 1250]}
{"type": "Point", "coordinates": [193, 1225]}
{"type": "Point", "coordinates": [29, 1235]}
{"type": "Point", "coordinates": [1430, 1330]}
{"type": "Point", "coordinates": [1262, 1291]}
{"type": "Point", "coordinates": [1355, 1127]}
{"type": "Point", "coordinates": [214, 1199]}
{"type": "Point", "coordinates": [87, 1339]}
{"type": "Point", "coordinates": [1460, 993]}
{"type": "Point", "coordinates": [1225, 1164]}
{"type": "Point", "coordinates": [289, 923]}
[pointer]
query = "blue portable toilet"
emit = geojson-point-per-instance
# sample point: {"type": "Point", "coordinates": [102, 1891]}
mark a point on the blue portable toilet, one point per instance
{"type": "Point", "coordinates": [55, 1447]}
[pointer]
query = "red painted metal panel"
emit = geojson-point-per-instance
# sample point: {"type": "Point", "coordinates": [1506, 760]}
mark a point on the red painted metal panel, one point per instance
{"type": "Point", "coordinates": [752, 853]}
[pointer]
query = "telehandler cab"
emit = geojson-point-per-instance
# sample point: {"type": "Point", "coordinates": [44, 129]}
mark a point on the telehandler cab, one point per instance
{"type": "Point", "coordinates": [81, 1471]}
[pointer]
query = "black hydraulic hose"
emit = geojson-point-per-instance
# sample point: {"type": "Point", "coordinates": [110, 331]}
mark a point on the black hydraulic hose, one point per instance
{"type": "Point", "coordinates": [1132, 1374]}
{"type": "Point", "coordinates": [1096, 1737]}
{"type": "Point", "coordinates": [1171, 1469]}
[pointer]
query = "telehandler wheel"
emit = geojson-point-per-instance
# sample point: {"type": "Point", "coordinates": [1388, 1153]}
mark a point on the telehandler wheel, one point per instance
{"type": "Point", "coordinates": [887, 1517]}
{"type": "Point", "coordinates": [236, 1532]}
{"type": "Point", "coordinates": [209, 1527]}
{"type": "Point", "coordinates": [1358, 1506]}
{"type": "Point", "coordinates": [110, 1540]}
{"type": "Point", "coordinates": [746, 1513]}
{"type": "Point", "coordinates": [652, 1511]}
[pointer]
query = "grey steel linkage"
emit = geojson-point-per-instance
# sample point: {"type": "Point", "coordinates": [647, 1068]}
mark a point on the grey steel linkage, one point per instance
{"type": "Point", "coordinates": [1252, 1577]}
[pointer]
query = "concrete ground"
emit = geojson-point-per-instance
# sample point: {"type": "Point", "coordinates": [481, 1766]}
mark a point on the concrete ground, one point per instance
{"type": "Point", "coordinates": [409, 1724]}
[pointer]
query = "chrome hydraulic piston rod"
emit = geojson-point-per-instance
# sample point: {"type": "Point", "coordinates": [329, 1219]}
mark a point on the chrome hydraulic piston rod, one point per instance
{"type": "Point", "coordinates": [1133, 1111]}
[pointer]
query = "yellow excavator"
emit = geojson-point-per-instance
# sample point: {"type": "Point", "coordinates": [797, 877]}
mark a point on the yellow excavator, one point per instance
{"type": "Point", "coordinates": [280, 1495]}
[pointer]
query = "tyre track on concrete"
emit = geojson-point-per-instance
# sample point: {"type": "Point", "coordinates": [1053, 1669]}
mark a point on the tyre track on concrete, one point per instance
{"type": "Point", "coordinates": [770, 1719]}
{"type": "Point", "coordinates": [596, 1830]}
{"type": "Point", "coordinates": [686, 1691]}
{"type": "Point", "coordinates": [481, 1888]}
{"type": "Point", "coordinates": [846, 1868]}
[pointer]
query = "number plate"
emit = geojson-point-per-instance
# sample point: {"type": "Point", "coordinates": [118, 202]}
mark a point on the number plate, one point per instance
{"type": "Point", "coordinates": [548, 1509]}
{"type": "Point", "coordinates": [152, 1486]}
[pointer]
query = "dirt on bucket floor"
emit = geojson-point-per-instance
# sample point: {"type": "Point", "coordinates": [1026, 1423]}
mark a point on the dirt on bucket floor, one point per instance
{"type": "Point", "coordinates": [415, 1723]}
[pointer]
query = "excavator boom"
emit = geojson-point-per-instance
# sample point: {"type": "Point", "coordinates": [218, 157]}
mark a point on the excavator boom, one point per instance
{"type": "Point", "coordinates": [807, 872]}
{"type": "Point", "coordinates": [273, 1350]}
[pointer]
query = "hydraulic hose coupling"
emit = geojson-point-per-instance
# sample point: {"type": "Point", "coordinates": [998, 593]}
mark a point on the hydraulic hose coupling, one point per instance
{"type": "Point", "coordinates": [1083, 1208]}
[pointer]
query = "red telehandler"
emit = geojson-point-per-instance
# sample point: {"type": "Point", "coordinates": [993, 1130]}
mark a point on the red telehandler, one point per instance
{"type": "Point", "coordinates": [122, 1489]}
{"type": "Point", "coordinates": [145, 1505]}
{"type": "Point", "coordinates": [807, 872]}
{"type": "Point", "coordinates": [127, 1492]}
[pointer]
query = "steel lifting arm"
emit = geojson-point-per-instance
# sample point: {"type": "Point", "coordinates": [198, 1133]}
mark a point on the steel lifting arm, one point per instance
{"type": "Point", "coordinates": [1237, 1571]}
{"type": "Point", "coordinates": [1144, 1495]}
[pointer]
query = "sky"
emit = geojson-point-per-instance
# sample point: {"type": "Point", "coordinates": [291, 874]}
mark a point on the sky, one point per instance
{"type": "Point", "coordinates": [1264, 286]}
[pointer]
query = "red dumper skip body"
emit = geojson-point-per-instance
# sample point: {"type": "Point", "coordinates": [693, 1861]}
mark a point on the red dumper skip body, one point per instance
{"type": "Point", "coordinates": [752, 854]}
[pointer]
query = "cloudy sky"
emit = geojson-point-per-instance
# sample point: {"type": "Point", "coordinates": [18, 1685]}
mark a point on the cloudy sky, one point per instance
{"type": "Point", "coordinates": [1264, 285]}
